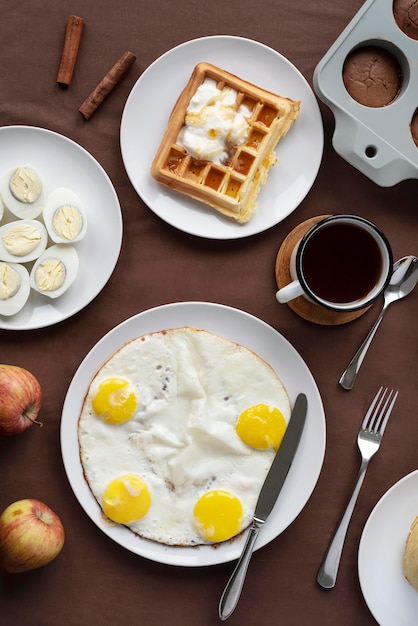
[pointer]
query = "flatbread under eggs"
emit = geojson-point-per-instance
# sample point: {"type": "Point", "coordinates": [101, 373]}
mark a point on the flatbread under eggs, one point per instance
{"type": "Point", "coordinates": [187, 389]}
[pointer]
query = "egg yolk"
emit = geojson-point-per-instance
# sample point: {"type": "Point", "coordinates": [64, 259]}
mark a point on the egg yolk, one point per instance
{"type": "Point", "coordinates": [126, 499]}
{"type": "Point", "coordinates": [261, 427]}
{"type": "Point", "coordinates": [115, 401]}
{"type": "Point", "coordinates": [218, 515]}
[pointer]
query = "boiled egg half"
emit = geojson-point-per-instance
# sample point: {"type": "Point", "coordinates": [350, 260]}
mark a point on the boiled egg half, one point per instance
{"type": "Point", "coordinates": [22, 192]}
{"type": "Point", "coordinates": [22, 241]}
{"type": "Point", "coordinates": [64, 216]}
{"type": "Point", "coordinates": [55, 270]}
{"type": "Point", "coordinates": [14, 287]}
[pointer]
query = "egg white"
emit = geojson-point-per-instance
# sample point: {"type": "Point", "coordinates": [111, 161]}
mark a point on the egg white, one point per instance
{"type": "Point", "coordinates": [191, 386]}
{"type": "Point", "coordinates": [69, 257]}
{"type": "Point", "coordinates": [5, 255]}
{"type": "Point", "coordinates": [13, 305]}
{"type": "Point", "coordinates": [61, 197]}
{"type": "Point", "coordinates": [22, 210]}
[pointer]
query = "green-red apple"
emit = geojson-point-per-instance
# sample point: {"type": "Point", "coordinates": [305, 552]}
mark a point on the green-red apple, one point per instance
{"type": "Point", "coordinates": [20, 399]}
{"type": "Point", "coordinates": [31, 535]}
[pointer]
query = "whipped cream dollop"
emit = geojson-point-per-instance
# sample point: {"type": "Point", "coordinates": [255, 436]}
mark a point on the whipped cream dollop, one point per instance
{"type": "Point", "coordinates": [213, 123]}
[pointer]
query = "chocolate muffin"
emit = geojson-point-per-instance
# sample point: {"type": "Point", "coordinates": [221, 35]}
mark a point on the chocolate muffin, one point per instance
{"type": "Point", "coordinates": [405, 13]}
{"type": "Point", "coordinates": [372, 76]}
{"type": "Point", "coordinates": [414, 127]}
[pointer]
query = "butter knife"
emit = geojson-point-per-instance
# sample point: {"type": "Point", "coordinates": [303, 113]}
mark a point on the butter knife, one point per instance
{"type": "Point", "coordinates": [268, 495]}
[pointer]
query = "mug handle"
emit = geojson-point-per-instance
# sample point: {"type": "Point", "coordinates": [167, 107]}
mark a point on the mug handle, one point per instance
{"type": "Point", "coordinates": [289, 292]}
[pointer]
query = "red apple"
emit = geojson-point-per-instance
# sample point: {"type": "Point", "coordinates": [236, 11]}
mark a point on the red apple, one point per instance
{"type": "Point", "coordinates": [20, 399]}
{"type": "Point", "coordinates": [31, 535]}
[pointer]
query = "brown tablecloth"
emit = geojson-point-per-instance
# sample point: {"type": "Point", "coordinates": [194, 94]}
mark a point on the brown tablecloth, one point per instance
{"type": "Point", "coordinates": [94, 581]}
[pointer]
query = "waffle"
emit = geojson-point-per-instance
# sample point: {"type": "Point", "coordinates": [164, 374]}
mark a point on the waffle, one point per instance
{"type": "Point", "coordinates": [232, 186]}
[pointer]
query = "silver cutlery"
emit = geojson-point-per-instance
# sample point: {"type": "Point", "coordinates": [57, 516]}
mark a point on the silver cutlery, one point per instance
{"type": "Point", "coordinates": [268, 495]}
{"type": "Point", "coordinates": [404, 278]}
{"type": "Point", "coordinates": [368, 441]}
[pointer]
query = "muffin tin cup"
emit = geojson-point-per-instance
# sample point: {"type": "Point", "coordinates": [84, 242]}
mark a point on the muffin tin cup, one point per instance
{"type": "Point", "coordinates": [375, 140]}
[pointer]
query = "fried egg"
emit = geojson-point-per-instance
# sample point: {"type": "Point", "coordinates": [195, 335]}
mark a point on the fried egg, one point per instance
{"type": "Point", "coordinates": [21, 189]}
{"type": "Point", "coordinates": [64, 216]}
{"type": "Point", "coordinates": [54, 271]}
{"type": "Point", "coordinates": [22, 241]}
{"type": "Point", "coordinates": [14, 288]}
{"type": "Point", "coordinates": [177, 433]}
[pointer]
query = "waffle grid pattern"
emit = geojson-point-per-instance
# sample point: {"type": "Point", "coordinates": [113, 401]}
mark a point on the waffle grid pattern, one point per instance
{"type": "Point", "coordinates": [230, 187]}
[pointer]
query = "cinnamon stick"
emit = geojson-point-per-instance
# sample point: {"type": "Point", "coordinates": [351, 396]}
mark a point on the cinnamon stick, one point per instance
{"type": "Point", "coordinates": [70, 49]}
{"type": "Point", "coordinates": [107, 84]}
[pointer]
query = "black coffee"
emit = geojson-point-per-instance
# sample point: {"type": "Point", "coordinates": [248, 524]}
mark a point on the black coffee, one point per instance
{"type": "Point", "coordinates": [342, 263]}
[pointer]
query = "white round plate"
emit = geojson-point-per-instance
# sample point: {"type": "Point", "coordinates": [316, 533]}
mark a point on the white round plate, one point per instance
{"type": "Point", "coordinates": [148, 108]}
{"type": "Point", "coordinates": [245, 330]}
{"type": "Point", "coordinates": [390, 598]}
{"type": "Point", "coordinates": [63, 163]}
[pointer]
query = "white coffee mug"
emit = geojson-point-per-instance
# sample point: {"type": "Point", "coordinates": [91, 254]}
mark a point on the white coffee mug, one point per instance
{"type": "Point", "coordinates": [343, 263]}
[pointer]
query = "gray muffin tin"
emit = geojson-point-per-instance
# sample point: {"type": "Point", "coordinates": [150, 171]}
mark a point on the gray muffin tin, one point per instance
{"type": "Point", "coordinates": [376, 141]}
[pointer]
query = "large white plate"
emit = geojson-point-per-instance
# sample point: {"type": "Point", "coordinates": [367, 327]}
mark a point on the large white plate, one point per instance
{"type": "Point", "coordinates": [63, 163]}
{"type": "Point", "coordinates": [245, 330]}
{"type": "Point", "coordinates": [148, 108]}
{"type": "Point", "coordinates": [389, 596]}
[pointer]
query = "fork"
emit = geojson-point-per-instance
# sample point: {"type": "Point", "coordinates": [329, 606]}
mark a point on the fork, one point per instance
{"type": "Point", "coordinates": [368, 440]}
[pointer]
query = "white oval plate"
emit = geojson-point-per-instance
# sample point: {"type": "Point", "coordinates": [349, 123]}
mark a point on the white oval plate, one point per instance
{"type": "Point", "coordinates": [245, 330]}
{"type": "Point", "coordinates": [63, 163]}
{"type": "Point", "coordinates": [390, 598]}
{"type": "Point", "coordinates": [147, 111]}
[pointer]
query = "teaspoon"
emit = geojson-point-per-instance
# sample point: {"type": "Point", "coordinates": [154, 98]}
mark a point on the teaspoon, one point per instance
{"type": "Point", "coordinates": [404, 278]}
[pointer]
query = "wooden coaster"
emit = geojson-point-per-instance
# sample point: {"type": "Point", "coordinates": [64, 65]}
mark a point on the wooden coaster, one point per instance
{"type": "Point", "coordinates": [308, 310]}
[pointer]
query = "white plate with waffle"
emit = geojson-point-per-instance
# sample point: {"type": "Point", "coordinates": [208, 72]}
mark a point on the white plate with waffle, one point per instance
{"type": "Point", "coordinates": [63, 163]}
{"type": "Point", "coordinates": [241, 328]}
{"type": "Point", "coordinates": [148, 109]}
